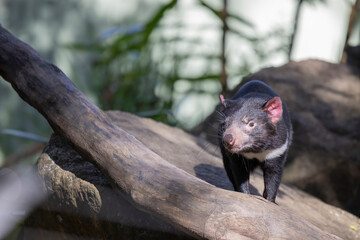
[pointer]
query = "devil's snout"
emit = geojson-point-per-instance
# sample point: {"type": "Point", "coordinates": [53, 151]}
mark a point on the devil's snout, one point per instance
{"type": "Point", "coordinates": [228, 140]}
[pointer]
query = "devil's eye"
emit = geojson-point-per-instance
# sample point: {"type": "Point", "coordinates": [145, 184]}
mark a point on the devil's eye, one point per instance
{"type": "Point", "coordinates": [251, 124]}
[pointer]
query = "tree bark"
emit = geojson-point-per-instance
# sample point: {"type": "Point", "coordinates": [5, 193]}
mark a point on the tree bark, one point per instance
{"type": "Point", "coordinates": [352, 21]}
{"type": "Point", "coordinates": [144, 178]}
{"type": "Point", "coordinates": [295, 26]}
{"type": "Point", "coordinates": [223, 74]}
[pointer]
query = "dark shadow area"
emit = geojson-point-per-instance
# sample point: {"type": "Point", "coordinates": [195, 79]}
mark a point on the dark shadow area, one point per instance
{"type": "Point", "coordinates": [213, 175]}
{"type": "Point", "coordinates": [353, 58]}
{"type": "Point", "coordinates": [45, 224]}
{"type": "Point", "coordinates": [217, 177]}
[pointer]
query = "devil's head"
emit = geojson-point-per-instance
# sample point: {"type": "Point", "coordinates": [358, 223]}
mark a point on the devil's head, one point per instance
{"type": "Point", "coordinates": [249, 123]}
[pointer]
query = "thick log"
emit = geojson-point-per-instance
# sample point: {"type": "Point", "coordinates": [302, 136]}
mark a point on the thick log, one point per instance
{"type": "Point", "coordinates": [143, 177]}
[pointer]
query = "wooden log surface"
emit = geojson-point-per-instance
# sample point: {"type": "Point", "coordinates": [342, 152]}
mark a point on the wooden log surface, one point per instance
{"type": "Point", "coordinates": [143, 177]}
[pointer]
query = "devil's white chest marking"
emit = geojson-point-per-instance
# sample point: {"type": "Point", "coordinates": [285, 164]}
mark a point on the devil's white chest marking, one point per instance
{"type": "Point", "coordinates": [268, 154]}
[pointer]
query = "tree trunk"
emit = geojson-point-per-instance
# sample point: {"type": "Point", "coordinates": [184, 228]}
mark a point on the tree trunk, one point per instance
{"type": "Point", "coordinates": [144, 178]}
{"type": "Point", "coordinates": [352, 21]}
{"type": "Point", "coordinates": [295, 26]}
{"type": "Point", "coordinates": [223, 74]}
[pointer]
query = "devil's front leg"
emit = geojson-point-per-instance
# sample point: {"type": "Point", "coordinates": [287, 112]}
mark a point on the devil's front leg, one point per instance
{"type": "Point", "coordinates": [273, 169]}
{"type": "Point", "coordinates": [240, 171]}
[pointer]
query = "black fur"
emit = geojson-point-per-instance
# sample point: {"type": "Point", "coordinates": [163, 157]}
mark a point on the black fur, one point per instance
{"type": "Point", "coordinates": [250, 132]}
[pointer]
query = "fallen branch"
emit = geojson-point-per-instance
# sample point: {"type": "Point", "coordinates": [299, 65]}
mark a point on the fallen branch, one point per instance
{"type": "Point", "coordinates": [144, 178]}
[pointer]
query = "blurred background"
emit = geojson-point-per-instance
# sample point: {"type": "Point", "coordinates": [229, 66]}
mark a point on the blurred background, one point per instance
{"type": "Point", "coordinates": [163, 59]}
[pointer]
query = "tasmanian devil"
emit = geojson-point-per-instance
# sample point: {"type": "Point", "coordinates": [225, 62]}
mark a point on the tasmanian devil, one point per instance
{"type": "Point", "coordinates": [255, 130]}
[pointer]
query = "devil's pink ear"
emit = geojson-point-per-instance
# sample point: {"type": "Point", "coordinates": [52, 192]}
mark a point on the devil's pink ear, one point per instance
{"type": "Point", "coordinates": [274, 109]}
{"type": "Point", "coordinates": [222, 100]}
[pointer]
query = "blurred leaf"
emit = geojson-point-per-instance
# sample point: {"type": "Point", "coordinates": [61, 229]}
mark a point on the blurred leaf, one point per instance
{"type": "Point", "coordinates": [198, 79]}
{"type": "Point", "coordinates": [242, 35]}
{"type": "Point", "coordinates": [313, 2]}
{"type": "Point", "coordinates": [132, 29]}
{"type": "Point", "coordinates": [214, 11]}
{"type": "Point", "coordinates": [195, 41]}
{"type": "Point", "coordinates": [242, 20]}
{"type": "Point", "coordinates": [186, 56]}
{"type": "Point", "coordinates": [156, 113]}
{"type": "Point", "coordinates": [218, 14]}
{"type": "Point", "coordinates": [156, 19]}
{"type": "Point", "coordinates": [135, 40]}
{"type": "Point", "coordinates": [85, 47]}
{"type": "Point", "coordinates": [261, 45]}
{"type": "Point", "coordinates": [25, 135]}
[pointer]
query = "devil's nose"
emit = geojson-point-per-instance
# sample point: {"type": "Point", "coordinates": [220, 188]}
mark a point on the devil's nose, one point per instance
{"type": "Point", "coordinates": [229, 140]}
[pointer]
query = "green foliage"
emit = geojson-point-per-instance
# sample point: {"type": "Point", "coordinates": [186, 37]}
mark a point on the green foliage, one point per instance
{"type": "Point", "coordinates": [136, 68]}
{"type": "Point", "coordinates": [217, 13]}
{"type": "Point", "coordinates": [124, 74]}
